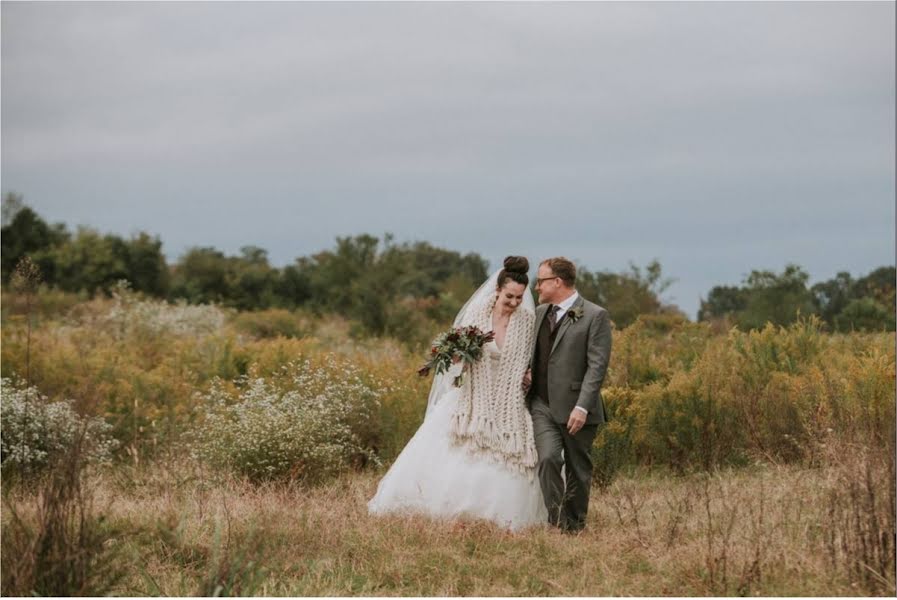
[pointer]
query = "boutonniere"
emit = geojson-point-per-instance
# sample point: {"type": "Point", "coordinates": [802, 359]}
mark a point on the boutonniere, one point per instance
{"type": "Point", "coordinates": [575, 314]}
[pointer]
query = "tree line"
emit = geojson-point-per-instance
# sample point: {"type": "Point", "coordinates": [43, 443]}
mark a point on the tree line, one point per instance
{"type": "Point", "coordinates": [843, 303]}
{"type": "Point", "coordinates": [391, 288]}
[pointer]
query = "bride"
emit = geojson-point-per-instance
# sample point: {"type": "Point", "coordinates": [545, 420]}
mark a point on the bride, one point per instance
{"type": "Point", "coordinates": [474, 455]}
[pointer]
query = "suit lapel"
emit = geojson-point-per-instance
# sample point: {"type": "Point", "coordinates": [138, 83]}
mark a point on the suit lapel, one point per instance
{"type": "Point", "coordinates": [565, 324]}
{"type": "Point", "coordinates": [540, 317]}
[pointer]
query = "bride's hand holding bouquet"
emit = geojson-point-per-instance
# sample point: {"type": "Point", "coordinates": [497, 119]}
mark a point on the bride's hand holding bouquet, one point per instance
{"type": "Point", "coordinates": [463, 344]}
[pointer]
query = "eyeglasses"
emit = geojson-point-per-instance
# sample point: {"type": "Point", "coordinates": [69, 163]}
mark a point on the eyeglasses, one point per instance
{"type": "Point", "coordinates": [539, 280]}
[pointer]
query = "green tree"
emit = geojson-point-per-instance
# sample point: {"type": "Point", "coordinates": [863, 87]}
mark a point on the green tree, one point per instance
{"type": "Point", "coordinates": [423, 269]}
{"type": "Point", "coordinates": [628, 294]}
{"type": "Point", "coordinates": [12, 204]}
{"type": "Point", "coordinates": [878, 285]}
{"type": "Point", "coordinates": [768, 297]}
{"type": "Point", "coordinates": [775, 298]}
{"type": "Point", "coordinates": [866, 304]}
{"type": "Point", "coordinates": [251, 280]}
{"type": "Point", "coordinates": [200, 276]}
{"type": "Point", "coordinates": [722, 301]}
{"type": "Point", "coordinates": [338, 276]}
{"type": "Point", "coordinates": [147, 269]}
{"type": "Point", "coordinates": [292, 287]}
{"type": "Point", "coordinates": [89, 261]}
{"type": "Point", "coordinates": [385, 287]}
{"type": "Point", "coordinates": [24, 232]}
{"type": "Point", "coordinates": [865, 314]}
{"type": "Point", "coordinates": [832, 296]}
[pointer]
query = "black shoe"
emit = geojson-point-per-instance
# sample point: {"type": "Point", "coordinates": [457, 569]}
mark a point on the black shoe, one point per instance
{"type": "Point", "coordinates": [573, 527]}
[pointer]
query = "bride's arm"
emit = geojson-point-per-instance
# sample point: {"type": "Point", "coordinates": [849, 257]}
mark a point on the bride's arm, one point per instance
{"type": "Point", "coordinates": [529, 339]}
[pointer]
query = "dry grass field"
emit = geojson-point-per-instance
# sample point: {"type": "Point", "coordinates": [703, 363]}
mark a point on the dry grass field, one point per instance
{"type": "Point", "coordinates": [735, 463]}
{"type": "Point", "coordinates": [755, 531]}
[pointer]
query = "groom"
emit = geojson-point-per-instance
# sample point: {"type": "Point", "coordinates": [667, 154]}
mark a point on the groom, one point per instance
{"type": "Point", "coordinates": [569, 361]}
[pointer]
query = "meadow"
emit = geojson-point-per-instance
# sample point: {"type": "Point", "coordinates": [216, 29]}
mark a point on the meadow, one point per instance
{"type": "Point", "coordinates": [204, 451]}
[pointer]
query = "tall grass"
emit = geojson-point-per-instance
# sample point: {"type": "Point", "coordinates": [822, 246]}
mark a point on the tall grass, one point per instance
{"type": "Point", "coordinates": [55, 541]}
{"type": "Point", "coordinates": [757, 531]}
{"type": "Point", "coordinates": [734, 463]}
{"type": "Point", "coordinates": [679, 395]}
{"type": "Point", "coordinates": [686, 400]}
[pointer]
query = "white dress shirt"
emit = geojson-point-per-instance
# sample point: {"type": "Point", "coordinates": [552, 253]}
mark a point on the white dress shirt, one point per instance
{"type": "Point", "coordinates": [564, 306]}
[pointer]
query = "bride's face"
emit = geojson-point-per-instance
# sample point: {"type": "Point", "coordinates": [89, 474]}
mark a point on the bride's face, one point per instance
{"type": "Point", "coordinates": [510, 295]}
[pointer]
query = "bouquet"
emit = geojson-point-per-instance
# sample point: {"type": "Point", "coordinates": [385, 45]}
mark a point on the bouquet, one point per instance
{"type": "Point", "coordinates": [460, 343]}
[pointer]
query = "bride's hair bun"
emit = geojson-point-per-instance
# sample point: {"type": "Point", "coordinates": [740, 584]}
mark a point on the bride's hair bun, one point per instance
{"type": "Point", "coordinates": [516, 269]}
{"type": "Point", "coordinates": [517, 264]}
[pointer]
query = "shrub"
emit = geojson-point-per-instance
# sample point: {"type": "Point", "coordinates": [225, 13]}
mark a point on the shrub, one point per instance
{"type": "Point", "coordinates": [56, 543]}
{"type": "Point", "coordinates": [865, 314]}
{"type": "Point", "coordinates": [304, 423]}
{"type": "Point", "coordinates": [271, 323]}
{"type": "Point", "coordinates": [48, 303]}
{"type": "Point", "coordinates": [36, 432]}
{"type": "Point", "coordinates": [612, 448]}
{"type": "Point", "coordinates": [653, 348]}
{"type": "Point", "coordinates": [860, 514]}
{"type": "Point", "coordinates": [687, 400]}
{"type": "Point", "coordinates": [130, 315]}
{"type": "Point", "coordinates": [688, 424]}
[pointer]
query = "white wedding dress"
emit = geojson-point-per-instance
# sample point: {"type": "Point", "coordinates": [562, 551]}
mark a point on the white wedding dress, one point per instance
{"type": "Point", "coordinates": [436, 477]}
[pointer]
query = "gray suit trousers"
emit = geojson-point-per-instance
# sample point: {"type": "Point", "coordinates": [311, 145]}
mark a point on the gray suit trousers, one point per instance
{"type": "Point", "coordinates": [567, 504]}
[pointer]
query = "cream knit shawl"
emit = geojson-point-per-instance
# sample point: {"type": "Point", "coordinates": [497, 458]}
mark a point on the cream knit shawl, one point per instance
{"type": "Point", "coordinates": [491, 417]}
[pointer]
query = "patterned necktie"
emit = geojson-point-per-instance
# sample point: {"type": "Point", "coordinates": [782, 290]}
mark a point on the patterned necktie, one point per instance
{"type": "Point", "coordinates": [552, 316]}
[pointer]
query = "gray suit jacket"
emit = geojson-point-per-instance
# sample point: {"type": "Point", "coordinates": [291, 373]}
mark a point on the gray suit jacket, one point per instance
{"type": "Point", "coordinates": [578, 361]}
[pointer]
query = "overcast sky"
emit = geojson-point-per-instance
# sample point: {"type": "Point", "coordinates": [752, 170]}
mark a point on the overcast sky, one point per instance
{"type": "Point", "coordinates": [717, 138]}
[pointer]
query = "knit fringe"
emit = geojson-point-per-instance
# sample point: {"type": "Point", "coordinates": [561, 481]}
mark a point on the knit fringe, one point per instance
{"type": "Point", "coordinates": [491, 418]}
{"type": "Point", "coordinates": [512, 463]}
{"type": "Point", "coordinates": [510, 447]}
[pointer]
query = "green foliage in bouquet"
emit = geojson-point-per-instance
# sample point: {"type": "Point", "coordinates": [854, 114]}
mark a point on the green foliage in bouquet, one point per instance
{"type": "Point", "coordinates": [460, 343]}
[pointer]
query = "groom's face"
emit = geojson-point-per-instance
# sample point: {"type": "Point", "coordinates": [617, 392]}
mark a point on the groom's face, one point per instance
{"type": "Point", "coordinates": [547, 284]}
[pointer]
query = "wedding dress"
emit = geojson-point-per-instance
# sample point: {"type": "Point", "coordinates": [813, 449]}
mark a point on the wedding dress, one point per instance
{"type": "Point", "coordinates": [439, 476]}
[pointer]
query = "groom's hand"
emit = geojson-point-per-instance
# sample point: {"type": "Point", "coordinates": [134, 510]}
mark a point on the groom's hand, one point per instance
{"type": "Point", "coordinates": [527, 380]}
{"type": "Point", "coordinates": [576, 421]}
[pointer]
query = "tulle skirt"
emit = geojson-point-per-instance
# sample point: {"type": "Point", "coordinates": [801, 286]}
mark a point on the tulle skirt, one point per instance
{"type": "Point", "coordinates": [435, 477]}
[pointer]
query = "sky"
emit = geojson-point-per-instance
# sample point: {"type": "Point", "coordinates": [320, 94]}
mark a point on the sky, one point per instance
{"type": "Point", "coordinates": [717, 138]}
